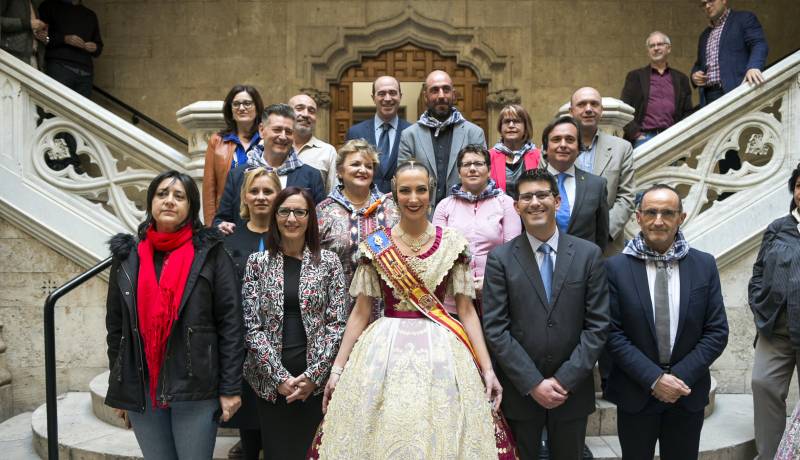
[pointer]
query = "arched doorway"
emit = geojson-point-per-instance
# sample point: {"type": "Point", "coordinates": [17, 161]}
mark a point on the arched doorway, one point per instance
{"type": "Point", "coordinates": [407, 63]}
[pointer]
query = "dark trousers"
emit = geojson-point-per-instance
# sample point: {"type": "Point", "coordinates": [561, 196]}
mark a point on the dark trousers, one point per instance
{"type": "Point", "coordinates": [70, 76]}
{"type": "Point", "coordinates": [566, 437]}
{"type": "Point", "coordinates": [676, 430]}
{"type": "Point", "coordinates": [712, 94]}
{"type": "Point", "coordinates": [287, 430]}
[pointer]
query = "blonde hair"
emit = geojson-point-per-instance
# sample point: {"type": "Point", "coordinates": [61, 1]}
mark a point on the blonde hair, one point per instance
{"type": "Point", "coordinates": [357, 146]}
{"type": "Point", "coordinates": [249, 177]}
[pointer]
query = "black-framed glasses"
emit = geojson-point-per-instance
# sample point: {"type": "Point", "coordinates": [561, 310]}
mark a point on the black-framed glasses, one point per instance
{"type": "Point", "coordinates": [470, 164]}
{"type": "Point", "coordinates": [299, 213]}
{"type": "Point", "coordinates": [244, 104]}
{"type": "Point", "coordinates": [541, 195]}
{"type": "Point", "coordinates": [664, 213]}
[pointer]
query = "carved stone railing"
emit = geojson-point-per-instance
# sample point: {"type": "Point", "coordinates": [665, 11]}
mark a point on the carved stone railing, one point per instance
{"type": "Point", "coordinates": [71, 172]}
{"type": "Point", "coordinates": [728, 212]}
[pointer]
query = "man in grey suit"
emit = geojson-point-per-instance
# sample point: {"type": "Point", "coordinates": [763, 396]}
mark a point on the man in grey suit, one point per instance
{"type": "Point", "coordinates": [439, 134]}
{"type": "Point", "coordinates": [607, 156]}
{"type": "Point", "coordinates": [583, 210]}
{"type": "Point", "coordinates": [545, 318]}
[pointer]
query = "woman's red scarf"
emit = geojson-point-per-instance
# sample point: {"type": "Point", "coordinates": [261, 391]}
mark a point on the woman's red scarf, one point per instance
{"type": "Point", "coordinates": [159, 300]}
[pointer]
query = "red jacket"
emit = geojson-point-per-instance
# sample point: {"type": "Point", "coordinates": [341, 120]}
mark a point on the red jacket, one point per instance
{"type": "Point", "coordinates": [498, 164]}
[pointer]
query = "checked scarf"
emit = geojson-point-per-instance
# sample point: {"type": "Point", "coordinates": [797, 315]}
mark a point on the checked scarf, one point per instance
{"type": "Point", "coordinates": [255, 159]}
{"type": "Point", "coordinates": [428, 120]}
{"type": "Point", "coordinates": [639, 249]}
{"type": "Point", "coordinates": [337, 195]}
{"type": "Point", "coordinates": [490, 191]}
{"type": "Point", "coordinates": [514, 154]}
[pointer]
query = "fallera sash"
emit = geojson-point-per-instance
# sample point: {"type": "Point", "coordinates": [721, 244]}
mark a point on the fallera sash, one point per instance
{"type": "Point", "coordinates": [404, 280]}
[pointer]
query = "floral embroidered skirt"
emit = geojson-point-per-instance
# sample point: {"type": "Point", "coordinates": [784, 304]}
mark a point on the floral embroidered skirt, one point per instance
{"type": "Point", "coordinates": [410, 390]}
{"type": "Point", "coordinates": [789, 448]}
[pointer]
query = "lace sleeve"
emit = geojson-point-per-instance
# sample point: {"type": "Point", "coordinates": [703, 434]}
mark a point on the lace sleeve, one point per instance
{"type": "Point", "coordinates": [460, 279]}
{"type": "Point", "coordinates": [365, 281]}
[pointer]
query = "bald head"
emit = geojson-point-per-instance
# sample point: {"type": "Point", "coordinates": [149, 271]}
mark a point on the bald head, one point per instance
{"type": "Point", "coordinates": [586, 106]}
{"type": "Point", "coordinates": [305, 116]}
{"type": "Point", "coordinates": [386, 94]}
{"type": "Point", "coordinates": [439, 94]}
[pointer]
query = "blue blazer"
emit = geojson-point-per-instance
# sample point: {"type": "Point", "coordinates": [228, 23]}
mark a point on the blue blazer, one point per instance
{"type": "Point", "coordinates": [228, 211]}
{"type": "Point", "coordinates": [742, 47]}
{"type": "Point", "coordinates": [366, 130]}
{"type": "Point", "coordinates": [702, 333]}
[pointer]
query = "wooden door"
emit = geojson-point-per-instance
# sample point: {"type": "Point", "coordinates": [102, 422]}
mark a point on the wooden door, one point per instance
{"type": "Point", "coordinates": [408, 63]}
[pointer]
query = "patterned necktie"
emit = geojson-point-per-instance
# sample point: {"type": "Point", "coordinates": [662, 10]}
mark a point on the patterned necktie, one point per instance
{"type": "Point", "coordinates": [661, 300]}
{"type": "Point", "coordinates": [546, 269]}
{"type": "Point", "coordinates": [383, 143]}
{"type": "Point", "coordinates": [562, 214]}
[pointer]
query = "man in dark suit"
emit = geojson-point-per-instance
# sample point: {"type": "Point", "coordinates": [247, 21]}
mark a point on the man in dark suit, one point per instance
{"type": "Point", "coordinates": [439, 134]}
{"type": "Point", "coordinates": [583, 210]}
{"type": "Point", "coordinates": [661, 95]}
{"type": "Point", "coordinates": [383, 130]}
{"type": "Point", "coordinates": [668, 325]}
{"type": "Point", "coordinates": [731, 50]}
{"type": "Point", "coordinates": [545, 318]}
{"type": "Point", "coordinates": [277, 129]}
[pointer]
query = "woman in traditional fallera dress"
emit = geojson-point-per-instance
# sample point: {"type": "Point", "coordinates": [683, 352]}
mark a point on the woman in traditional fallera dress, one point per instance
{"type": "Point", "coordinates": [407, 386]}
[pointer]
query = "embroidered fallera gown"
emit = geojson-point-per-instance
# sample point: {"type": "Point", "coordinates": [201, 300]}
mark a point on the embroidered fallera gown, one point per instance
{"type": "Point", "coordinates": [410, 389]}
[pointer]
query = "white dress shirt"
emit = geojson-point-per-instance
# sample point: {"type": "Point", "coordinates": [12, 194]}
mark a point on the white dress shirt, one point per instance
{"type": "Point", "coordinates": [674, 287]}
{"type": "Point", "coordinates": [322, 157]}
{"type": "Point", "coordinates": [569, 183]}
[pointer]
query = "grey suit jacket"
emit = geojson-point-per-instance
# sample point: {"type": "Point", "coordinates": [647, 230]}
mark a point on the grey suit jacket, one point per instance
{"type": "Point", "coordinates": [589, 213]}
{"type": "Point", "coordinates": [613, 159]}
{"type": "Point", "coordinates": [415, 142]}
{"type": "Point", "coordinates": [531, 339]}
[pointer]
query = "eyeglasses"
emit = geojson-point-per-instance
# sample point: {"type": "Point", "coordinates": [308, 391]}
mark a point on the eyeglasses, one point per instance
{"type": "Point", "coordinates": [656, 45]}
{"type": "Point", "coordinates": [512, 121]}
{"type": "Point", "coordinates": [246, 104]}
{"type": "Point", "coordinates": [476, 164]}
{"type": "Point", "coordinates": [299, 213]}
{"type": "Point", "coordinates": [540, 196]}
{"type": "Point", "coordinates": [664, 213]}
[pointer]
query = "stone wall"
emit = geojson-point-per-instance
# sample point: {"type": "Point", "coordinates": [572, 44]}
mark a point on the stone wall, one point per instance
{"type": "Point", "coordinates": [162, 55]}
{"type": "Point", "coordinates": [29, 271]}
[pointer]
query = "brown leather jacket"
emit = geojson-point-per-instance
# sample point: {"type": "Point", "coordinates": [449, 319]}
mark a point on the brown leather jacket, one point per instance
{"type": "Point", "coordinates": [219, 155]}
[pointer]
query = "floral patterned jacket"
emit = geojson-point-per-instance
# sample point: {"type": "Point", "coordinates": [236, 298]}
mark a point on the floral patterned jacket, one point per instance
{"type": "Point", "coordinates": [323, 301]}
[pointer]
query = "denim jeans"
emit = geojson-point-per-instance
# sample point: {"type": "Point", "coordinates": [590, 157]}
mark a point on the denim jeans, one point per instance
{"type": "Point", "coordinates": [186, 430]}
{"type": "Point", "coordinates": [644, 138]}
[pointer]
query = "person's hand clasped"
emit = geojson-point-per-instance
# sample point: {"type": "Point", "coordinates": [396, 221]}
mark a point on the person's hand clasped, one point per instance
{"type": "Point", "coordinates": [226, 227]}
{"type": "Point", "coordinates": [303, 387]}
{"type": "Point", "coordinates": [549, 393]}
{"type": "Point", "coordinates": [74, 40]}
{"type": "Point", "coordinates": [90, 47]}
{"type": "Point", "coordinates": [328, 392]}
{"type": "Point", "coordinates": [669, 388]}
{"type": "Point", "coordinates": [229, 406]}
{"type": "Point", "coordinates": [494, 391]}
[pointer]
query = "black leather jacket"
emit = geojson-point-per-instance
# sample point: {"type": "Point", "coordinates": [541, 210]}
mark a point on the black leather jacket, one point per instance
{"type": "Point", "coordinates": [205, 349]}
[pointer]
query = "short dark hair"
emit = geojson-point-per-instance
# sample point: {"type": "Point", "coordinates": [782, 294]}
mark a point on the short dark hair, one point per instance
{"type": "Point", "coordinates": [283, 110]}
{"type": "Point", "coordinates": [192, 195]}
{"type": "Point", "coordinates": [539, 175]}
{"type": "Point", "coordinates": [792, 183]}
{"type": "Point", "coordinates": [474, 148]}
{"type": "Point", "coordinates": [516, 110]}
{"type": "Point", "coordinates": [312, 230]}
{"type": "Point", "coordinates": [655, 187]}
{"type": "Point", "coordinates": [227, 109]}
{"type": "Point", "coordinates": [565, 119]}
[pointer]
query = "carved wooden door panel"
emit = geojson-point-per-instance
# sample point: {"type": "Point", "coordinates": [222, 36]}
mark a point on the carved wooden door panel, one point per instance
{"type": "Point", "coordinates": [408, 63]}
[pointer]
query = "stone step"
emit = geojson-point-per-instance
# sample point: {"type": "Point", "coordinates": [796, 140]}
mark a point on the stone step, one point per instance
{"type": "Point", "coordinates": [727, 433]}
{"type": "Point", "coordinates": [84, 436]}
{"type": "Point", "coordinates": [16, 438]}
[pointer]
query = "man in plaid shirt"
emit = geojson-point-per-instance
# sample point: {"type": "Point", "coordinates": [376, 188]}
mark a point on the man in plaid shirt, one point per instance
{"type": "Point", "coordinates": [730, 51]}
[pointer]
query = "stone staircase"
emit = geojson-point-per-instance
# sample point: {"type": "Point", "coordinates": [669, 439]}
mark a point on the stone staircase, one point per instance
{"type": "Point", "coordinates": [89, 430]}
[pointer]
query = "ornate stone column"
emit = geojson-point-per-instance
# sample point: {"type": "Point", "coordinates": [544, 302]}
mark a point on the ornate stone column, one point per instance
{"type": "Point", "coordinates": [323, 100]}
{"type": "Point", "coordinates": [616, 114]}
{"type": "Point", "coordinates": [5, 383]}
{"type": "Point", "coordinates": [202, 119]}
{"type": "Point", "coordinates": [496, 100]}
